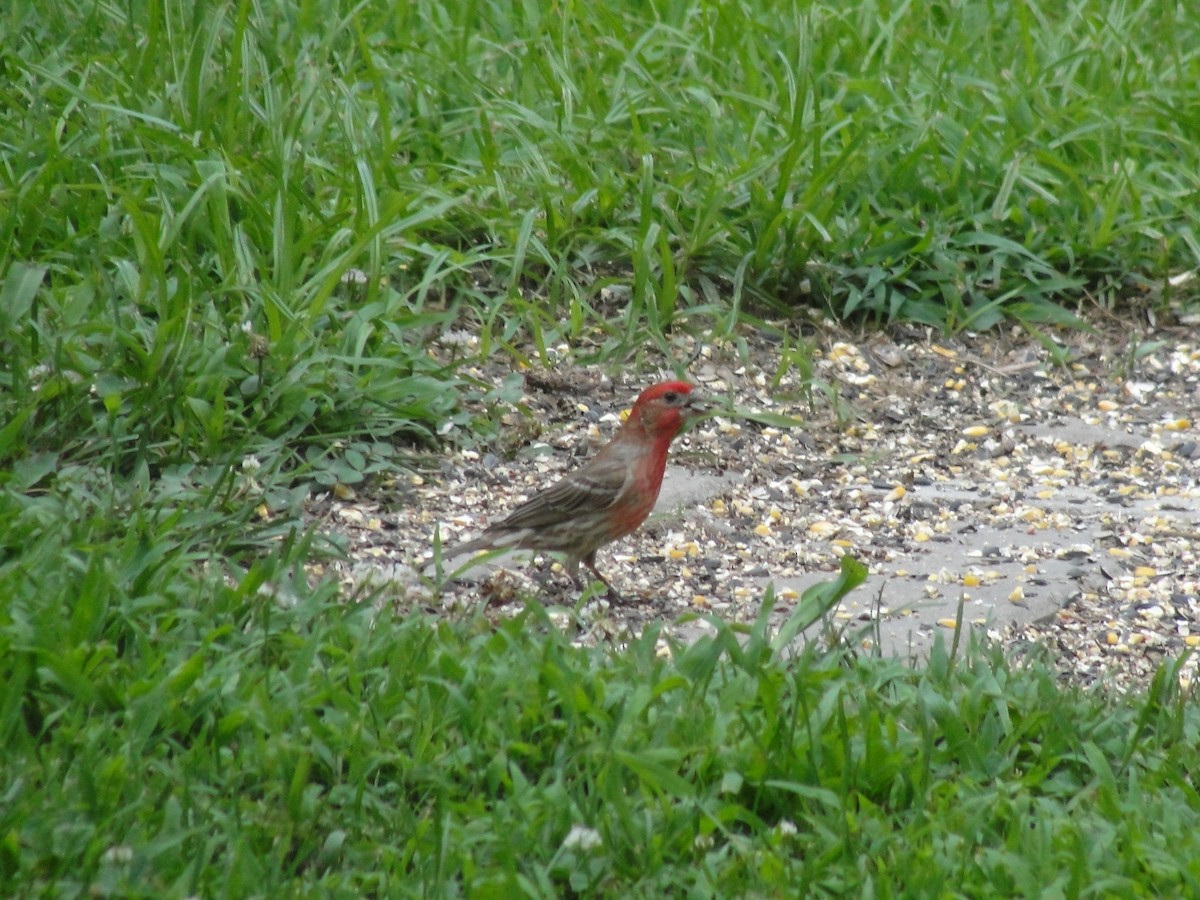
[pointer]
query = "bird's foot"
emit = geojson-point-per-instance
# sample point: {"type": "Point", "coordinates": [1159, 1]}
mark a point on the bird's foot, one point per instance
{"type": "Point", "coordinates": [614, 596]}
{"type": "Point", "coordinates": [588, 590]}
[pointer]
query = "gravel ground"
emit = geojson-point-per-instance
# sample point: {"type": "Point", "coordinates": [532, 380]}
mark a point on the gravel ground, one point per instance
{"type": "Point", "coordinates": [905, 445]}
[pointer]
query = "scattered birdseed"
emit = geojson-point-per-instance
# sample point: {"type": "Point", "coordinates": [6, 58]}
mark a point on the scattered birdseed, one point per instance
{"type": "Point", "coordinates": [1094, 464]}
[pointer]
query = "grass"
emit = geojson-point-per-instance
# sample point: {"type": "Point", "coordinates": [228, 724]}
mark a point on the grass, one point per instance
{"type": "Point", "coordinates": [206, 740]}
{"type": "Point", "coordinates": [224, 222]}
{"type": "Point", "coordinates": [229, 234]}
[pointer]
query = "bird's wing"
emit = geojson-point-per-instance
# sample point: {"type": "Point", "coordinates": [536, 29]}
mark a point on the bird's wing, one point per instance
{"type": "Point", "coordinates": [595, 487]}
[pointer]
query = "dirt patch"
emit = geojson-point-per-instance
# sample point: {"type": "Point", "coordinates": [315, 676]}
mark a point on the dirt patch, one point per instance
{"type": "Point", "coordinates": [1049, 488]}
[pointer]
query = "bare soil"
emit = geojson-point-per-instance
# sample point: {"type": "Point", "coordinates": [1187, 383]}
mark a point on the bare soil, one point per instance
{"type": "Point", "coordinates": [1049, 487]}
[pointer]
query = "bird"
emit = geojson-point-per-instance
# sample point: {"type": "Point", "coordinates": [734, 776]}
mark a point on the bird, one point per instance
{"type": "Point", "coordinates": [606, 498]}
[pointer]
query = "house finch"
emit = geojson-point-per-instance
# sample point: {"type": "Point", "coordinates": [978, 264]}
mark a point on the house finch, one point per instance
{"type": "Point", "coordinates": [608, 497]}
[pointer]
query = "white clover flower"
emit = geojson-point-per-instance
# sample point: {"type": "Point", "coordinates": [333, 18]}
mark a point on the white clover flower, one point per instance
{"type": "Point", "coordinates": [582, 837]}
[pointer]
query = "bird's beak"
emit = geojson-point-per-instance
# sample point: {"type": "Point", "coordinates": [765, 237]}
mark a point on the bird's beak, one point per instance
{"type": "Point", "coordinates": [695, 406]}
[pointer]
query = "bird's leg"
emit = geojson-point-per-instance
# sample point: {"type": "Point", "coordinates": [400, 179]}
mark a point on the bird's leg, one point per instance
{"type": "Point", "coordinates": [590, 562]}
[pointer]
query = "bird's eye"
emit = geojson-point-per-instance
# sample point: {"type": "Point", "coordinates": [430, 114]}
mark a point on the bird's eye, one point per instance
{"type": "Point", "coordinates": [670, 396]}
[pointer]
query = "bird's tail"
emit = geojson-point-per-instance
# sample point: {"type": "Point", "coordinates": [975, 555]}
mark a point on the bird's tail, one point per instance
{"type": "Point", "coordinates": [454, 558]}
{"type": "Point", "coordinates": [450, 559]}
{"type": "Point", "coordinates": [473, 546]}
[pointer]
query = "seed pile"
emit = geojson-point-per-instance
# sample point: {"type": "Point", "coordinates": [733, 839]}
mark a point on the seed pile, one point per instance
{"type": "Point", "coordinates": [873, 445]}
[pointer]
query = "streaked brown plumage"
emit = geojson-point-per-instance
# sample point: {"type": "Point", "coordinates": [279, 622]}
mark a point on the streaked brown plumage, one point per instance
{"type": "Point", "coordinates": [606, 498]}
